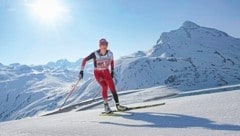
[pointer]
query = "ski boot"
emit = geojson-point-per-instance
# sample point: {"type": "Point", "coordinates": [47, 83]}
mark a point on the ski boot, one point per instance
{"type": "Point", "coordinates": [121, 108]}
{"type": "Point", "coordinates": [107, 109]}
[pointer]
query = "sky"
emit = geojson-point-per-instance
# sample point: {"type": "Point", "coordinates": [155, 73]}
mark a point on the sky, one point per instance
{"type": "Point", "coordinates": [39, 31]}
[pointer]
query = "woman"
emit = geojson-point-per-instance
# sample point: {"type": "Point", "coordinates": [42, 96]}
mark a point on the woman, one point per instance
{"type": "Point", "coordinates": [103, 59]}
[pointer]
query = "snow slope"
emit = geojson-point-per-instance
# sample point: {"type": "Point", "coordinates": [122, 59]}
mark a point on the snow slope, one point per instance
{"type": "Point", "coordinates": [210, 114]}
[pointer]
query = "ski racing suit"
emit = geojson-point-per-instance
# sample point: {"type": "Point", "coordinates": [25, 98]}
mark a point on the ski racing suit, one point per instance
{"type": "Point", "coordinates": [102, 73]}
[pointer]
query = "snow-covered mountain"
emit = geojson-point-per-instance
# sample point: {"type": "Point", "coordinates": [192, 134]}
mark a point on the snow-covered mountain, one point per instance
{"type": "Point", "coordinates": [25, 90]}
{"type": "Point", "coordinates": [191, 57]}
{"type": "Point", "coordinates": [65, 64]}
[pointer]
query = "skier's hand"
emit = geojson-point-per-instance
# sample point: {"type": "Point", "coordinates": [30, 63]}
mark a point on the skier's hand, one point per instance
{"type": "Point", "coordinates": [112, 74]}
{"type": "Point", "coordinates": [80, 75]}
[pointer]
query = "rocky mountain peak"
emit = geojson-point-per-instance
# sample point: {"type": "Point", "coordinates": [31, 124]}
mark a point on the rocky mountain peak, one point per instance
{"type": "Point", "coordinates": [189, 24]}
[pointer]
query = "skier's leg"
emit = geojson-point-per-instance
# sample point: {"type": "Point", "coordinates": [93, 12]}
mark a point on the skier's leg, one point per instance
{"type": "Point", "coordinates": [111, 85]}
{"type": "Point", "coordinates": [102, 83]}
{"type": "Point", "coordinates": [104, 86]}
{"type": "Point", "coordinates": [104, 91]}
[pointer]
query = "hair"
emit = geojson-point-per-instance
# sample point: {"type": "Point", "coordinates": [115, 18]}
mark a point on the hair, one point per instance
{"type": "Point", "coordinates": [103, 41]}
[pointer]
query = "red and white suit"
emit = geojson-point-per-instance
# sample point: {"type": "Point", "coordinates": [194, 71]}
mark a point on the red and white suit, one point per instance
{"type": "Point", "coordinates": [102, 63]}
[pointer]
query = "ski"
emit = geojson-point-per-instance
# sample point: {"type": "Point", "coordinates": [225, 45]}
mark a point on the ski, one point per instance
{"type": "Point", "coordinates": [117, 114]}
{"type": "Point", "coordinates": [131, 108]}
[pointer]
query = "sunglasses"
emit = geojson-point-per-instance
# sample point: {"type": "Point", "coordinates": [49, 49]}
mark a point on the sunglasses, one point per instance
{"type": "Point", "coordinates": [103, 44]}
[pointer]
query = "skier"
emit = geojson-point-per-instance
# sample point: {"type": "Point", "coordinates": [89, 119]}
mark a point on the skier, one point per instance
{"type": "Point", "coordinates": [103, 59]}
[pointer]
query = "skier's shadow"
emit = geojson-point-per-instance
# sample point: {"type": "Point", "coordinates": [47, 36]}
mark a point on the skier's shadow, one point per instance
{"type": "Point", "coordinates": [168, 120]}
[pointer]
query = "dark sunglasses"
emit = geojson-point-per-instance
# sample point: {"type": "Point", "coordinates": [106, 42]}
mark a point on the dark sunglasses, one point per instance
{"type": "Point", "coordinates": [103, 44]}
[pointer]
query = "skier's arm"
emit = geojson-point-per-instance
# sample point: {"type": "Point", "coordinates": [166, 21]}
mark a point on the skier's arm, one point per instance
{"type": "Point", "coordinates": [112, 60]}
{"type": "Point", "coordinates": [112, 67]}
{"type": "Point", "coordinates": [91, 56]}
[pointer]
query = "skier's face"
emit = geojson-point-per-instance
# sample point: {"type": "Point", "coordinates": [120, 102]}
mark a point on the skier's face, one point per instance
{"type": "Point", "coordinates": [103, 46]}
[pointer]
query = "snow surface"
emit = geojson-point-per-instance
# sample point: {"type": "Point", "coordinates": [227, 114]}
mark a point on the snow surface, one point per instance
{"type": "Point", "coordinates": [206, 114]}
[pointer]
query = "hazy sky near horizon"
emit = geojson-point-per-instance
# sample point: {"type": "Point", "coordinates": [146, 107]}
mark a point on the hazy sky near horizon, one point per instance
{"type": "Point", "coordinates": [39, 31]}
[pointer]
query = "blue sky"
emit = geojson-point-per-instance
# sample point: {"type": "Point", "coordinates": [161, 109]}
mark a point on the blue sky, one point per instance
{"type": "Point", "coordinates": [35, 36]}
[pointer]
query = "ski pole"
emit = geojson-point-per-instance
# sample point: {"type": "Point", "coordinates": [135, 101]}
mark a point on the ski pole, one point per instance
{"type": "Point", "coordinates": [69, 94]}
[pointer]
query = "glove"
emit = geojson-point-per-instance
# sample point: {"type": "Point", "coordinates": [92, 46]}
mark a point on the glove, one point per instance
{"type": "Point", "coordinates": [112, 74]}
{"type": "Point", "coordinates": [80, 75]}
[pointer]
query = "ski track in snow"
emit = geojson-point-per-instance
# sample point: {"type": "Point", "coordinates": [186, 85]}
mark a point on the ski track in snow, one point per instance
{"type": "Point", "coordinates": [213, 114]}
